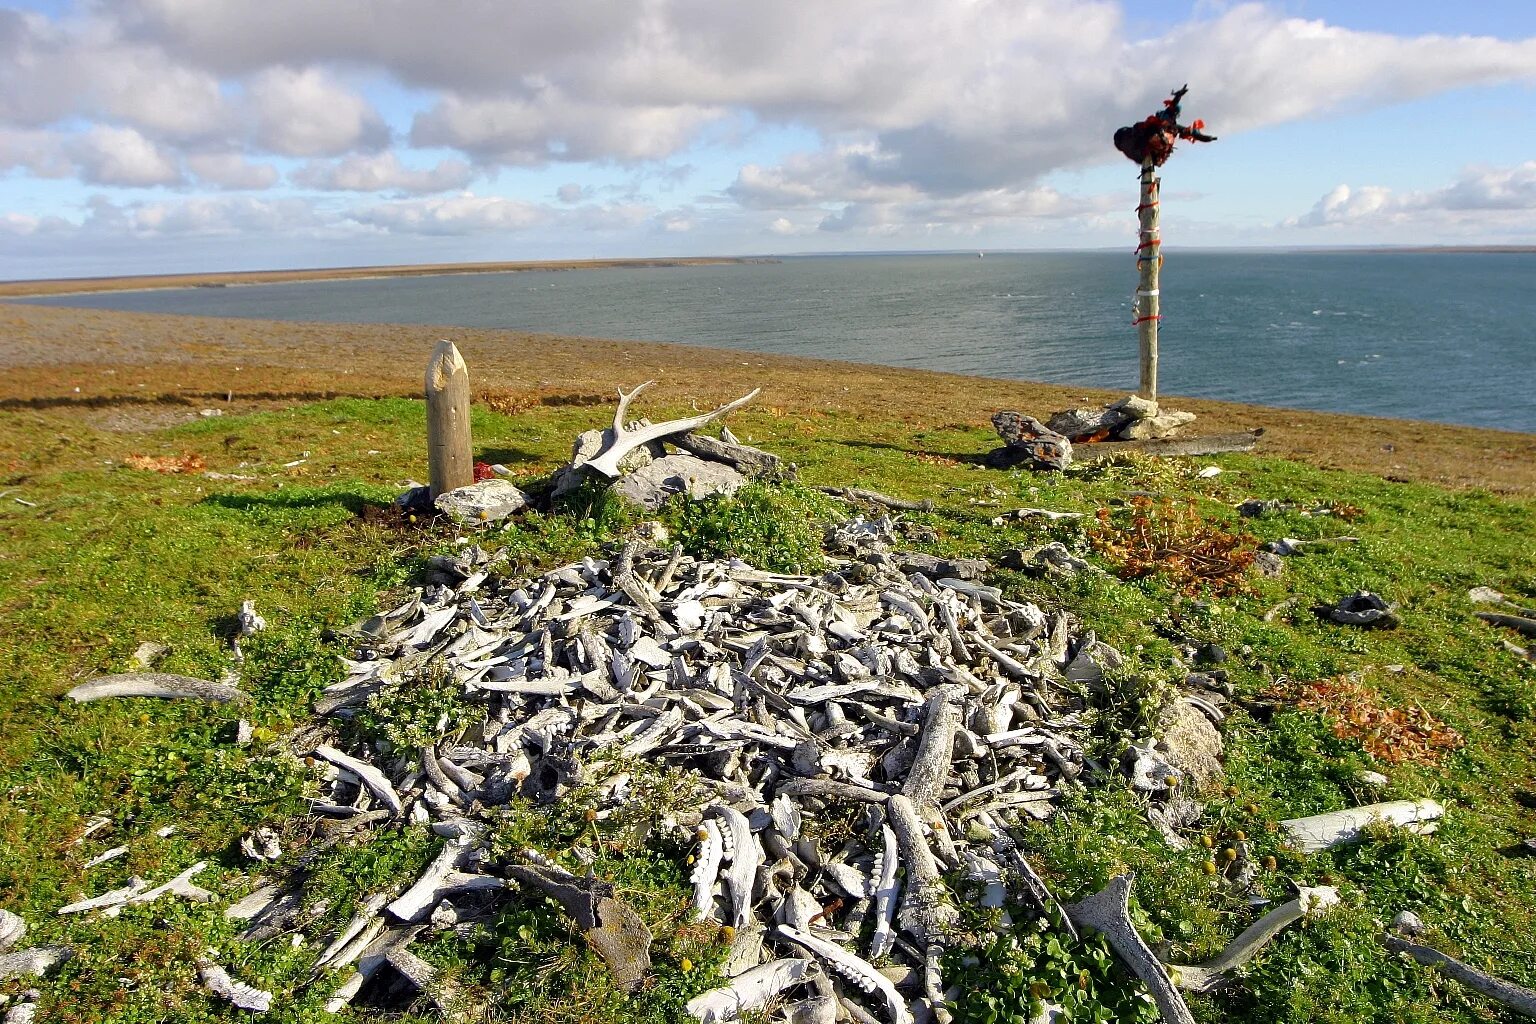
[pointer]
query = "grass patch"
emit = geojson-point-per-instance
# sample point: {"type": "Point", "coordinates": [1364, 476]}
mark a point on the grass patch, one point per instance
{"type": "Point", "coordinates": [299, 520]}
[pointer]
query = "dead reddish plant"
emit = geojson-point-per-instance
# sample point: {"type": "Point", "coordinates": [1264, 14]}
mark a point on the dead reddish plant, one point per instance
{"type": "Point", "coordinates": [186, 462]}
{"type": "Point", "coordinates": [1171, 539]}
{"type": "Point", "coordinates": [1356, 711]}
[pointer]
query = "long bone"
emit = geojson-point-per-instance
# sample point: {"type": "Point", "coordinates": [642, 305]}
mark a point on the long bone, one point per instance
{"type": "Point", "coordinates": [1517, 997]}
{"type": "Point", "coordinates": [924, 912]}
{"type": "Point", "coordinates": [1217, 972]}
{"type": "Point", "coordinates": [622, 440]}
{"type": "Point", "coordinates": [1108, 911]}
{"type": "Point", "coordinates": [935, 752]}
{"type": "Point", "coordinates": [1321, 831]}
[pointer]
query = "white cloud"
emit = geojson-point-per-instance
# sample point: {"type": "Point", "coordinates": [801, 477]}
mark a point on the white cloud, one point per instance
{"type": "Point", "coordinates": [1491, 200]}
{"type": "Point", "coordinates": [99, 156]}
{"type": "Point", "coordinates": [307, 113]}
{"type": "Point", "coordinates": [382, 172]}
{"type": "Point", "coordinates": [456, 215]}
{"type": "Point", "coordinates": [231, 171]}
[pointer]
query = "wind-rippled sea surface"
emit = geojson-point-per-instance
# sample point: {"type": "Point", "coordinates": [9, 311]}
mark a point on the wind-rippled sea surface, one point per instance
{"type": "Point", "coordinates": [1448, 337]}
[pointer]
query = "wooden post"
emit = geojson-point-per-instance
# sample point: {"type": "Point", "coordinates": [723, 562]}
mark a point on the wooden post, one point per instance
{"type": "Point", "coordinates": [450, 463]}
{"type": "Point", "coordinates": [1149, 259]}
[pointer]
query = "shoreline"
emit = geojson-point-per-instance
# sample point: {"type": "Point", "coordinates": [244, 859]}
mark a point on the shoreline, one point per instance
{"type": "Point", "coordinates": [47, 287]}
{"type": "Point", "coordinates": [135, 371]}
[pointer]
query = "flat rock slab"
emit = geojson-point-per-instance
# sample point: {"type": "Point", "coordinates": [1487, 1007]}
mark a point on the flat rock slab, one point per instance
{"type": "Point", "coordinates": [1162, 425]}
{"type": "Point", "coordinates": [651, 486]}
{"type": "Point", "coordinates": [489, 501]}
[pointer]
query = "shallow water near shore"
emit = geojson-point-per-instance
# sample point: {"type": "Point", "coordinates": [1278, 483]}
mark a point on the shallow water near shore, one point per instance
{"type": "Point", "coordinates": [1446, 337]}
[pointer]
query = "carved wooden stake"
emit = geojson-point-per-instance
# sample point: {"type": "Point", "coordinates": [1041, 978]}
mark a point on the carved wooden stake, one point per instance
{"type": "Point", "coordinates": [1149, 260]}
{"type": "Point", "coordinates": [450, 463]}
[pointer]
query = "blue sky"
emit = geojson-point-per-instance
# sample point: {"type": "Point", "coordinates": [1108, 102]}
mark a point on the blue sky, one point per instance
{"type": "Point", "coordinates": [168, 135]}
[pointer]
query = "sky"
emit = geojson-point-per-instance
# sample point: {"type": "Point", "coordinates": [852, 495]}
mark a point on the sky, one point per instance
{"type": "Point", "coordinates": [150, 136]}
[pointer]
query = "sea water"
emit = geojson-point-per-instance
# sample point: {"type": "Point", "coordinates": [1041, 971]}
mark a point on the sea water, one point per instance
{"type": "Point", "coordinates": [1437, 336]}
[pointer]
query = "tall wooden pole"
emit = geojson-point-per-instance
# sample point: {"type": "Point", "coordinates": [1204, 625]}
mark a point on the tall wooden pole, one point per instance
{"type": "Point", "coordinates": [449, 459]}
{"type": "Point", "coordinates": [1149, 259]}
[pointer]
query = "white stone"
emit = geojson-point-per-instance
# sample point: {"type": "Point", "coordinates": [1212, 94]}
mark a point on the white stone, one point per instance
{"type": "Point", "coordinates": [488, 501]}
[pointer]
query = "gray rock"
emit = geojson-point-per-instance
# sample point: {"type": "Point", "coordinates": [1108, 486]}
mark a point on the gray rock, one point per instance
{"type": "Point", "coordinates": [1363, 608]}
{"type": "Point", "coordinates": [488, 501]}
{"type": "Point", "coordinates": [1136, 407]}
{"type": "Point", "coordinates": [1075, 423]}
{"type": "Point", "coordinates": [1269, 564]}
{"type": "Point", "coordinates": [651, 486]}
{"type": "Point", "coordinates": [1193, 745]}
{"type": "Point", "coordinates": [1162, 425]}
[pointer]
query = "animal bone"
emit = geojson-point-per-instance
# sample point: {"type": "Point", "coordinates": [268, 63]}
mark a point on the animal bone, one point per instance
{"type": "Point", "coordinates": [614, 930]}
{"type": "Point", "coordinates": [181, 886]}
{"type": "Point", "coordinates": [376, 781]}
{"type": "Point", "coordinates": [417, 901]}
{"type": "Point", "coordinates": [245, 997]}
{"type": "Point", "coordinates": [1516, 997]}
{"type": "Point", "coordinates": [155, 684]}
{"type": "Point", "coordinates": [924, 912]}
{"type": "Point", "coordinates": [1322, 831]}
{"type": "Point", "coordinates": [706, 869]}
{"type": "Point", "coordinates": [855, 970]}
{"type": "Point", "coordinates": [1217, 972]}
{"type": "Point", "coordinates": [741, 848]}
{"type": "Point", "coordinates": [623, 440]}
{"type": "Point", "coordinates": [886, 892]}
{"type": "Point", "coordinates": [367, 913]}
{"type": "Point", "coordinates": [749, 991]}
{"type": "Point", "coordinates": [935, 752]}
{"type": "Point", "coordinates": [1108, 911]}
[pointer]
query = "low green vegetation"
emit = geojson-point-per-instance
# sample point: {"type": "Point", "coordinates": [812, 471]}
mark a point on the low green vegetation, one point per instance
{"type": "Point", "coordinates": [297, 515]}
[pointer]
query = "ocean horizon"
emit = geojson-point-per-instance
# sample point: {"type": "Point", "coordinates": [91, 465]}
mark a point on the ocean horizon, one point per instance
{"type": "Point", "coordinates": [1430, 335]}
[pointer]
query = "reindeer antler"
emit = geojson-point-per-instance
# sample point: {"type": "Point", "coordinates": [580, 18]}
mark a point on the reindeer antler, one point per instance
{"type": "Point", "coordinates": [622, 441]}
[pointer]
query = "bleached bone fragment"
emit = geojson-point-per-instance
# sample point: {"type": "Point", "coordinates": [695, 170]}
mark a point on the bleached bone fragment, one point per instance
{"type": "Point", "coordinates": [925, 912]}
{"type": "Point", "coordinates": [376, 781]}
{"type": "Point", "coordinates": [155, 684]}
{"type": "Point", "coordinates": [33, 962]}
{"type": "Point", "coordinates": [622, 440]}
{"type": "Point", "coordinates": [1108, 911]}
{"type": "Point", "coordinates": [368, 912]}
{"type": "Point", "coordinates": [248, 621]}
{"type": "Point", "coordinates": [96, 825]}
{"type": "Point", "coordinates": [102, 858]}
{"type": "Point", "coordinates": [856, 971]}
{"type": "Point", "coordinates": [786, 817]}
{"type": "Point", "coordinates": [1322, 831]}
{"type": "Point", "coordinates": [238, 994]}
{"type": "Point", "coordinates": [262, 845]}
{"type": "Point", "coordinates": [887, 890]}
{"type": "Point", "coordinates": [706, 869]}
{"type": "Point", "coordinates": [749, 991]}
{"type": "Point", "coordinates": [1217, 972]}
{"type": "Point", "coordinates": [1516, 997]}
{"type": "Point", "coordinates": [107, 900]}
{"type": "Point", "coordinates": [417, 901]}
{"type": "Point", "coordinates": [181, 886]}
{"type": "Point", "coordinates": [935, 751]}
{"type": "Point", "coordinates": [1408, 923]}
{"type": "Point", "coordinates": [254, 904]}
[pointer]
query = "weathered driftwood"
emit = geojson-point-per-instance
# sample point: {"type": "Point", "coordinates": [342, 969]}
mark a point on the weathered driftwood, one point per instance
{"type": "Point", "coordinates": [924, 913]}
{"type": "Point", "coordinates": [1208, 444]}
{"type": "Point", "coordinates": [754, 462]}
{"type": "Point", "coordinates": [1108, 911]}
{"type": "Point", "coordinates": [876, 498]}
{"type": "Point", "coordinates": [622, 440]}
{"type": "Point", "coordinates": [1322, 831]}
{"type": "Point", "coordinates": [935, 751]}
{"type": "Point", "coordinates": [1149, 262]}
{"type": "Point", "coordinates": [155, 684]}
{"type": "Point", "coordinates": [1516, 997]}
{"type": "Point", "coordinates": [1515, 622]}
{"type": "Point", "coordinates": [1217, 972]}
{"type": "Point", "coordinates": [450, 460]}
{"type": "Point", "coordinates": [749, 991]}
